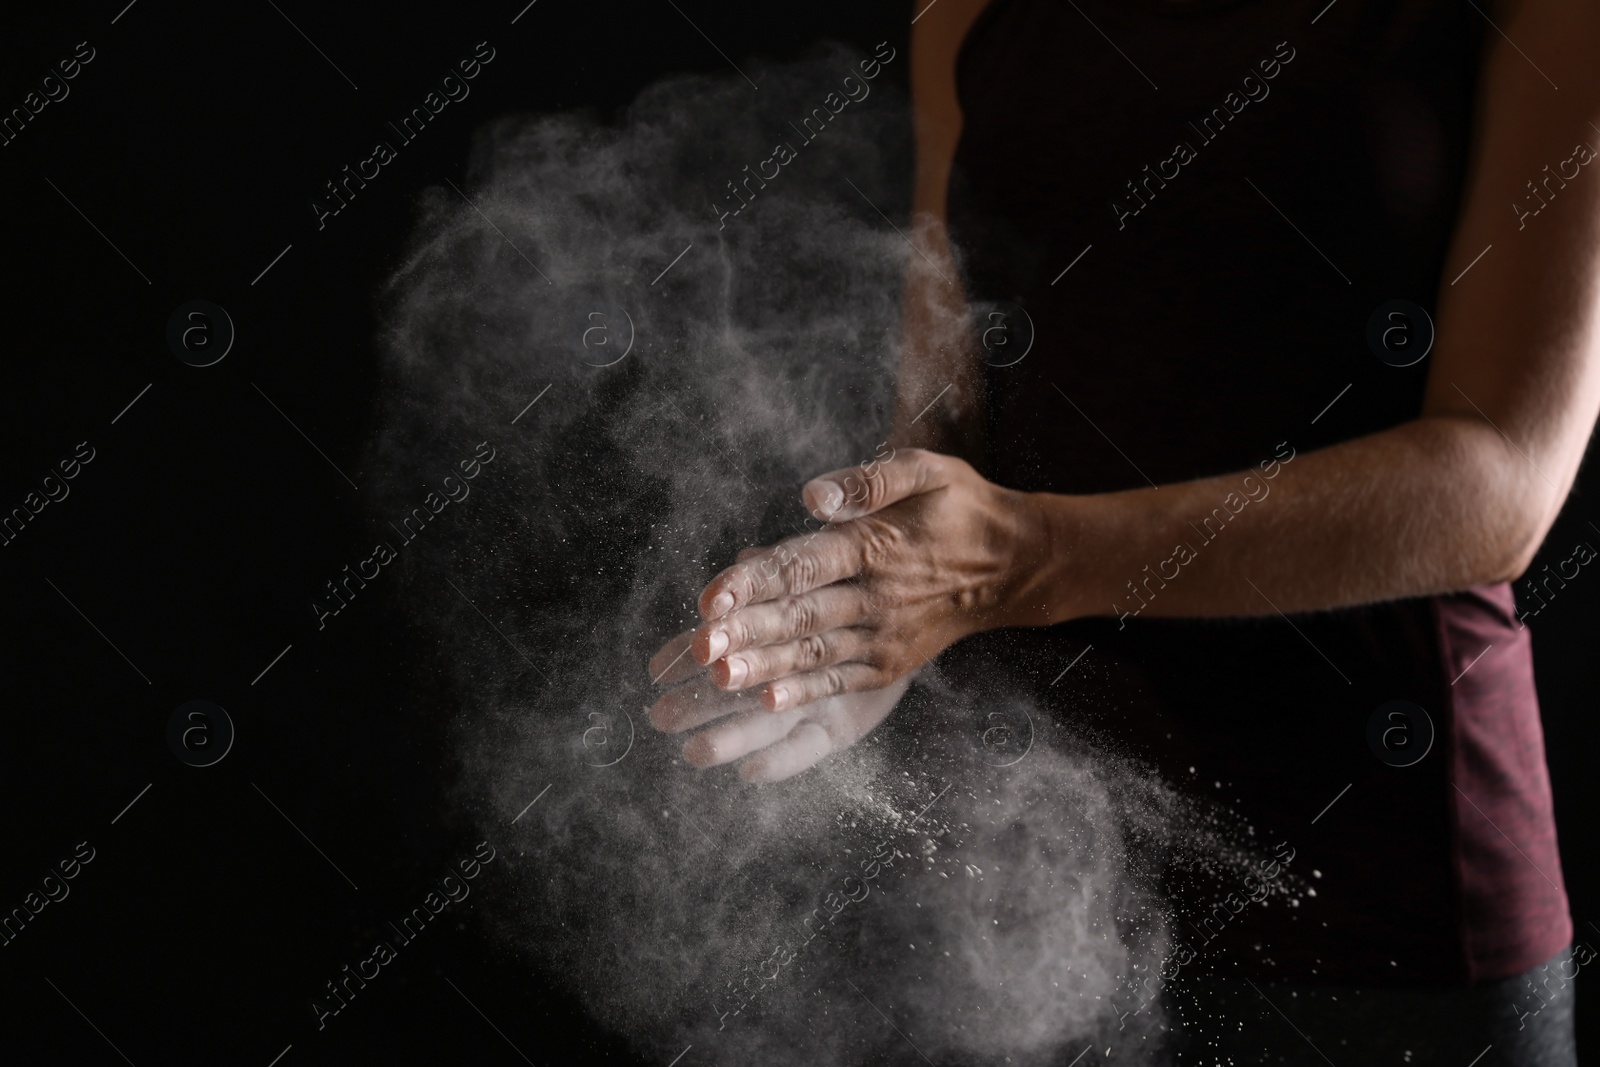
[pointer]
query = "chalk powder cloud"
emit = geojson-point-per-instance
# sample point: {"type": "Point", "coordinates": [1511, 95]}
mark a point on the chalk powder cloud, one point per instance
{"type": "Point", "coordinates": [988, 911]}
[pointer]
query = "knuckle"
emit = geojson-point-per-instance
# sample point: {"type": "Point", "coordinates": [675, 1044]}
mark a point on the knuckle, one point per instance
{"type": "Point", "coordinates": [877, 490]}
{"type": "Point", "coordinates": [802, 572]}
{"type": "Point", "coordinates": [799, 616]}
{"type": "Point", "coordinates": [877, 541]}
{"type": "Point", "coordinates": [813, 650]}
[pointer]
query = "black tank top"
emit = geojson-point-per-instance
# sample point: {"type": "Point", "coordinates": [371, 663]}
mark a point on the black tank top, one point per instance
{"type": "Point", "coordinates": [1200, 207]}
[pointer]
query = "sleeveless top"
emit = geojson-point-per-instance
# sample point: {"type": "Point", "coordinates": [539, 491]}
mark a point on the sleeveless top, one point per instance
{"type": "Point", "coordinates": [1200, 206]}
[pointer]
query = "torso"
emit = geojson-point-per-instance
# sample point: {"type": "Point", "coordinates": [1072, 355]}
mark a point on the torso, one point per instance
{"type": "Point", "coordinates": [1219, 311]}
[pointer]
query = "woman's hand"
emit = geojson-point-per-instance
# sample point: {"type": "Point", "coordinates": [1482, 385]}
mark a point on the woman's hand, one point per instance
{"type": "Point", "coordinates": [919, 552]}
{"type": "Point", "coordinates": [773, 745]}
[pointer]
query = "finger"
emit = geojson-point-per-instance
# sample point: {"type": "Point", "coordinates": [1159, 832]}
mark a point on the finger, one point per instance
{"type": "Point", "coordinates": [803, 748]}
{"type": "Point", "coordinates": [842, 722]}
{"type": "Point", "coordinates": [769, 663]}
{"type": "Point", "coordinates": [856, 491]}
{"type": "Point", "coordinates": [797, 565]}
{"type": "Point", "coordinates": [746, 553]}
{"type": "Point", "coordinates": [798, 689]}
{"type": "Point", "coordinates": [696, 704]}
{"type": "Point", "coordinates": [673, 663]}
{"type": "Point", "coordinates": [737, 737]}
{"type": "Point", "coordinates": [775, 621]}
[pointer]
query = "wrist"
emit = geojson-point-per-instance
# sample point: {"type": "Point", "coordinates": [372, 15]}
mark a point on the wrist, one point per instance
{"type": "Point", "coordinates": [1040, 590]}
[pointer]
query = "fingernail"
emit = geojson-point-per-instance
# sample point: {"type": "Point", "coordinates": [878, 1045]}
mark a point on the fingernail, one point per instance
{"type": "Point", "coordinates": [721, 604]}
{"type": "Point", "coordinates": [717, 645]}
{"type": "Point", "coordinates": [780, 697]}
{"type": "Point", "coordinates": [830, 498]}
{"type": "Point", "coordinates": [738, 670]}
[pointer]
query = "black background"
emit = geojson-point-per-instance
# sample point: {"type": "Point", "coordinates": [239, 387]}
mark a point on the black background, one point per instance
{"type": "Point", "coordinates": [195, 141]}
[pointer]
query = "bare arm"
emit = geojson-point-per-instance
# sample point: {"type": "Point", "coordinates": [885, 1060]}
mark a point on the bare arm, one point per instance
{"type": "Point", "coordinates": [938, 397]}
{"type": "Point", "coordinates": [1463, 494]}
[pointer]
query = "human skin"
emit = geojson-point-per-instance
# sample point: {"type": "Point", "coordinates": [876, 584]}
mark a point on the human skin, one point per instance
{"type": "Point", "coordinates": [925, 551]}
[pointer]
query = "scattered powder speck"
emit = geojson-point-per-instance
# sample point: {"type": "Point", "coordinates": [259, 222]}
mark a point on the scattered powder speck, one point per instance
{"type": "Point", "coordinates": [906, 899]}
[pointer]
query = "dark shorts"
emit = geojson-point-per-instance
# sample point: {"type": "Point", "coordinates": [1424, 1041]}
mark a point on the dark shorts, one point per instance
{"type": "Point", "coordinates": [1524, 1021]}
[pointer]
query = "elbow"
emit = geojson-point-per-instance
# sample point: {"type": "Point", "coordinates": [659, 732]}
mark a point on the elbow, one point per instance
{"type": "Point", "coordinates": [1513, 536]}
{"type": "Point", "coordinates": [1513, 560]}
{"type": "Point", "coordinates": [1508, 505]}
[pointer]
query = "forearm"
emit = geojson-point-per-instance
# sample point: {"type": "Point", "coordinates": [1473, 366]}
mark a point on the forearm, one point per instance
{"type": "Point", "coordinates": [939, 388]}
{"type": "Point", "coordinates": [938, 395]}
{"type": "Point", "coordinates": [1433, 505]}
